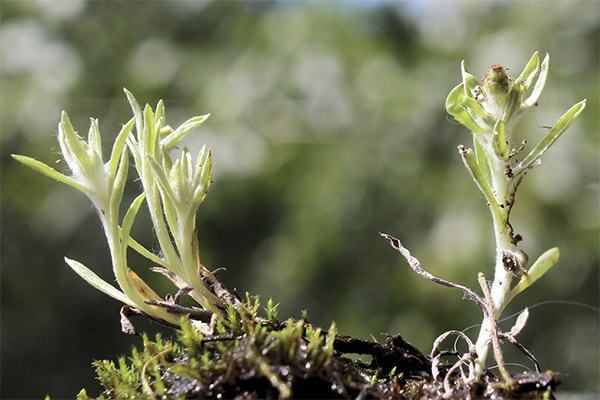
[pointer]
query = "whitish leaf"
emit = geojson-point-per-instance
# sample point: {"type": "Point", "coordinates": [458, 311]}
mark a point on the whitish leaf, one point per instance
{"type": "Point", "coordinates": [150, 139]}
{"type": "Point", "coordinates": [98, 282]}
{"type": "Point", "coordinates": [182, 131]}
{"type": "Point", "coordinates": [130, 216]}
{"type": "Point", "coordinates": [137, 111]}
{"type": "Point", "coordinates": [162, 179]}
{"type": "Point", "coordinates": [117, 149]}
{"type": "Point", "coordinates": [520, 323]}
{"type": "Point", "coordinates": [131, 242]}
{"type": "Point", "coordinates": [51, 173]}
{"type": "Point", "coordinates": [94, 138]}
{"type": "Point", "coordinates": [118, 186]}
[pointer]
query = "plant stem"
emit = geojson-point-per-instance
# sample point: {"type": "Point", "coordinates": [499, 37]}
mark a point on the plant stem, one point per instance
{"type": "Point", "coordinates": [502, 188]}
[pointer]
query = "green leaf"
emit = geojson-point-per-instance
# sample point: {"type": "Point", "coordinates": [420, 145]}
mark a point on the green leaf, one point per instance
{"type": "Point", "coordinates": [150, 134]}
{"type": "Point", "coordinates": [72, 146]}
{"type": "Point", "coordinates": [160, 111]}
{"type": "Point", "coordinates": [94, 138]}
{"type": "Point", "coordinates": [473, 108]}
{"type": "Point", "coordinates": [539, 84]}
{"type": "Point", "coordinates": [98, 283]}
{"type": "Point", "coordinates": [137, 111]}
{"type": "Point", "coordinates": [51, 173]}
{"type": "Point", "coordinates": [470, 82]}
{"type": "Point", "coordinates": [471, 163]}
{"type": "Point", "coordinates": [537, 270]}
{"type": "Point", "coordinates": [130, 216]}
{"type": "Point", "coordinates": [530, 72]}
{"type": "Point", "coordinates": [144, 252]}
{"type": "Point", "coordinates": [514, 101]}
{"type": "Point", "coordinates": [182, 131]}
{"type": "Point", "coordinates": [454, 106]}
{"type": "Point", "coordinates": [205, 180]}
{"type": "Point", "coordinates": [162, 179]}
{"type": "Point", "coordinates": [117, 149]}
{"type": "Point", "coordinates": [118, 186]}
{"type": "Point", "coordinates": [559, 128]}
{"type": "Point", "coordinates": [482, 158]}
{"type": "Point", "coordinates": [200, 164]}
{"type": "Point", "coordinates": [499, 141]}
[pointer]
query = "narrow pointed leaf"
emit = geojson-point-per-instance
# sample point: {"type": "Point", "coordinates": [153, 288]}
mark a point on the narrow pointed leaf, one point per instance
{"type": "Point", "coordinates": [470, 81]}
{"type": "Point", "coordinates": [150, 134]}
{"type": "Point", "coordinates": [160, 111]}
{"type": "Point", "coordinates": [530, 72]}
{"type": "Point", "coordinates": [200, 164]}
{"type": "Point", "coordinates": [130, 217]}
{"type": "Point", "coordinates": [514, 101]}
{"type": "Point", "coordinates": [559, 128]}
{"type": "Point", "coordinates": [137, 112]}
{"type": "Point", "coordinates": [118, 186]}
{"type": "Point", "coordinates": [162, 179]}
{"type": "Point", "coordinates": [141, 250]}
{"type": "Point", "coordinates": [172, 220]}
{"type": "Point", "coordinates": [539, 84]}
{"type": "Point", "coordinates": [141, 287]}
{"type": "Point", "coordinates": [115, 155]}
{"type": "Point", "coordinates": [94, 138]}
{"type": "Point", "coordinates": [537, 270]}
{"type": "Point", "coordinates": [51, 173]}
{"type": "Point", "coordinates": [482, 158]}
{"type": "Point", "coordinates": [471, 163]}
{"type": "Point", "coordinates": [182, 131]}
{"type": "Point", "coordinates": [97, 282]}
{"type": "Point", "coordinates": [205, 180]}
{"type": "Point", "coordinates": [72, 146]}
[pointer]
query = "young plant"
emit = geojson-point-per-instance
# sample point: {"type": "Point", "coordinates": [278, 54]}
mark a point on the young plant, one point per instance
{"type": "Point", "coordinates": [173, 191]}
{"type": "Point", "coordinates": [489, 109]}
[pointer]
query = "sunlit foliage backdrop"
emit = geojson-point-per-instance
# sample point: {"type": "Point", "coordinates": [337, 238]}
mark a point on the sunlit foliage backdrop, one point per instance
{"type": "Point", "coordinates": [327, 125]}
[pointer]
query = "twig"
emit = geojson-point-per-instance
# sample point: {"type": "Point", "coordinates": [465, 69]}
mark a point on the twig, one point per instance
{"type": "Point", "coordinates": [416, 266]}
{"type": "Point", "coordinates": [145, 383]}
{"type": "Point", "coordinates": [201, 315]}
{"type": "Point", "coordinates": [127, 326]}
{"type": "Point", "coordinates": [494, 330]}
{"type": "Point", "coordinates": [519, 346]}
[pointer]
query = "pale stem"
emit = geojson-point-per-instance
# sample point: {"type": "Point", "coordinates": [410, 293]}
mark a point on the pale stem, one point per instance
{"type": "Point", "coordinates": [500, 184]}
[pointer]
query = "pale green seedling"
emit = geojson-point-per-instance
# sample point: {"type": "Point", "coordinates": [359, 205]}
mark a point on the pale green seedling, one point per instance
{"type": "Point", "coordinates": [172, 191]}
{"type": "Point", "coordinates": [489, 110]}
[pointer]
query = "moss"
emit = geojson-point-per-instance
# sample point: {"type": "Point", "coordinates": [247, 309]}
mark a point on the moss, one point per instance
{"type": "Point", "coordinates": [252, 357]}
{"type": "Point", "coordinates": [248, 356]}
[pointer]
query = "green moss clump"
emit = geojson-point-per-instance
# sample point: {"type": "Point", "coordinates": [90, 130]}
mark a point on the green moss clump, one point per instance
{"type": "Point", "coordinates": [247, 356]}
{"type": "Point", "coordinates": [252, 357]}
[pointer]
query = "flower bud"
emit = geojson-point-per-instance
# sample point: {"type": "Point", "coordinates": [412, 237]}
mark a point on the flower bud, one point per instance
{"type": "Point", "coordinates": [496, 82]}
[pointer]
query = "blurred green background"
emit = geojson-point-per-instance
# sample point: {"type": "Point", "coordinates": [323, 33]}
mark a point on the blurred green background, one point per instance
{"type": "Point", "coordinates": [327, 125]}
